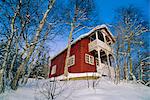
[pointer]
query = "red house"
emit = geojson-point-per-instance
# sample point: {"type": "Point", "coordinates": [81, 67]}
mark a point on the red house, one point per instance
{"type": "Point", "coordinates": [90, 53]}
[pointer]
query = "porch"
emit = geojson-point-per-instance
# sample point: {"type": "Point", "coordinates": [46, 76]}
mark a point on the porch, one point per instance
{"type": "Point", "coordinates": [100, 47]}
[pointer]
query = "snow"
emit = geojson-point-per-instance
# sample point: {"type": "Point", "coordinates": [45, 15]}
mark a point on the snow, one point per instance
{"type": "Point", "coordinates": [104, 89]}
{"type": "Point", "coordinates": [87, 34]}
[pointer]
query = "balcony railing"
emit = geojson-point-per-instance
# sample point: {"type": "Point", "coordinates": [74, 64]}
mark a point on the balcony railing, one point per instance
{"type": "Point", "coordinates": [104, 70]}
{"type": "Point", "coordinates": [94, 45]}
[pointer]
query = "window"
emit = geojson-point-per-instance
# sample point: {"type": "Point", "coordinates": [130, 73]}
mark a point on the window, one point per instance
{"type": "Point", "coordinates": [53, 70]}
{"type": "Point", "coordinates": [71, 61]}
{"type": "Point", "coordinates": [93, 37]}
{"type": "Point", "coordinates": [108, 40]}
{"type": "Point", "coordinates": [100, 35]}
{"type": "Point", "coordinates": [89, 59]}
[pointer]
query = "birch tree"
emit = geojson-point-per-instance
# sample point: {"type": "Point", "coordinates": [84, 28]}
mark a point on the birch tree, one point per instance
{"type": "Point", "coordinates": [22, 28]}
{"type": "Point", "coordinates": [77, 15]}
{"type": "Point", "coordinates": [32, 47]}
{"type": "Point", "coordinates": [132, 26]}
{"type": "Point", "coordinates": [9, 42]}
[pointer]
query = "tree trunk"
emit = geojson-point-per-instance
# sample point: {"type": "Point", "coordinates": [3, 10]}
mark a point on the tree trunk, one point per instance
{"type": "Point", "coordinates": [125, 71]}
{"type": "Point", "coordinates": [68, 50]}
{"type": "Point", "coordinates": [31, 49]}
{"type": "Point", "coordinates": [13, 61]}
{"type": "Point", "coordinates": [37, 52]}
{"type": "Point", "coordinates": [10, 39]}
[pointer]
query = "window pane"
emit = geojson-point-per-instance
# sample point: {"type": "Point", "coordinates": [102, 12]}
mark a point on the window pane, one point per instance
{"type": "Point", "coordinates": [71, 61]}
{"type": "Point", "coordinates": [93, 37]}
{"type": "Point", "coordinates": [53, 70]}
{"type": "Point", "coordinates": [89, 59]}
{"type": "Point", "coordinates": [86, 58]}
{"type": "Point", "coordinates": [92, 60]}
{"type": "Point", "coordinates": [100, 36]}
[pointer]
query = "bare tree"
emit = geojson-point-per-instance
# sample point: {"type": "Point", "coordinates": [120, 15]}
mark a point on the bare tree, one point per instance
{"type": "Point", "coordinates": [76, 15]}
{"type": "Point", "coordinates": [9, 42]}
{"type": "Point", "coordinates": [22, 32]}
{"type": "Point", "coordinates": [33, 44]}
{"type": "Point", "coordinates": [130, 28]}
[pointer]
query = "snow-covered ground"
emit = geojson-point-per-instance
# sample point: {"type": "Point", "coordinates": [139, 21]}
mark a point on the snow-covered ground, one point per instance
{"type": "Point", "coordinates": [79, 90]}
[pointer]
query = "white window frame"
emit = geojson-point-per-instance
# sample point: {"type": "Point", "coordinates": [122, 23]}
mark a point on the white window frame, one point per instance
{"type": "Point", "coordinates": [89, 59]}
{"type": "Point", "coordinates": [71, 61]}
{"type": "Point", "coordinates": [53, 70]}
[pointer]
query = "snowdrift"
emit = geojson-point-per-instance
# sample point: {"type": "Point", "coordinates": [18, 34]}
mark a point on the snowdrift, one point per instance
{"type": "Point", "coordinates": [101, 89]}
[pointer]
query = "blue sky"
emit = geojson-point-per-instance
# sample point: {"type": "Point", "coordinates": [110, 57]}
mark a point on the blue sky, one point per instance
{"type": "Point", "coordinates": [105, 8]}
{"type": "Point", "coordinates": [106, 11]}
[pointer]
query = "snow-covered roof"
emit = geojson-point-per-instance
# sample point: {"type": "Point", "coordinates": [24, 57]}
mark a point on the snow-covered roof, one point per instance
{"type": "Point", "coordinates": [85, 35]}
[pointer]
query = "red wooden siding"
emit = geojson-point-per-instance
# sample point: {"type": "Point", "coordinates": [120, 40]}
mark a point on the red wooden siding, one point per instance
{"type": "Point", "coordinates": [78, 49]}
{"type": "Point", "coordinates": [59, 62]}
{"type": "Point", "coordinates": [75, 50]}
{"type": "Point", "coordinates": [84, 50]}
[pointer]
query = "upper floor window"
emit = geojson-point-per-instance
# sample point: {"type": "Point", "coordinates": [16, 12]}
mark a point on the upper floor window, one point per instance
{"type": "Point", "coordinates": [108, 40]}
{"type": "Point", "coordinates": [53, 70]}
{"type": "Point", "coordinates": [100, 35]}
{"type": "Point", "coordinates": [89, 59]}
{"type": "Point", "coordinates": [93, 37]}
{"type": "Point", "coordinates": [71, 61]}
